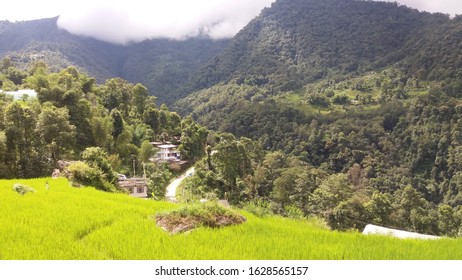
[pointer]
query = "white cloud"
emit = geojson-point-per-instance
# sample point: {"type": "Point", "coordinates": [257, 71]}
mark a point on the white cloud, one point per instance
{"type": "Point", "coordinates": [18, 10]}
{"type": "Point", "coordinates": [136, 20]}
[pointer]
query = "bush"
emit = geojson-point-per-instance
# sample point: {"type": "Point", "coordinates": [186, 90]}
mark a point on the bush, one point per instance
{"type": "Point", "coordinates": [259, 208]}
{"type": "Point", "coordinates": [292, 211]}
{"type": "Point", "coordinates": [22, 189]}
{"type": "Point", "coordinates": [80, 173]}
{"type": "Point", "coordinates": [319, 100]}
{"type": "Point", "coordinates": [341, 100]}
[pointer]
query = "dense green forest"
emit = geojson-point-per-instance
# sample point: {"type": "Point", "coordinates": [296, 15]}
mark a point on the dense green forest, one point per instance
{"type": "Point", "coordinates": [296, 42]}
{"type": "Point", "coordinates": [106, 127]}
{"type": "Point", "coordinates": [347, 110]}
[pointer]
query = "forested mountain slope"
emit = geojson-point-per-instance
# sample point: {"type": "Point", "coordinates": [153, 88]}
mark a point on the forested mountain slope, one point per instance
{"type": "Point", "coordinates": [164, 66]}
{"type": "Point", "coordinates": [358, 104]}
{"type": "Point", "coordinates": [299, 41]}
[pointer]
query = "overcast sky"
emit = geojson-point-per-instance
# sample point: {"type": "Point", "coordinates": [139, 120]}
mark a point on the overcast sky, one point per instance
{"type": "Point", "coordinates": [135, 20]}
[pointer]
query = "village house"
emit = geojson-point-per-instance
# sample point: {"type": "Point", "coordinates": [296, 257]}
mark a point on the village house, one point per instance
{"type": "Point", "coordinates": [22, 93]}
{"type": "Point", "coordinates": [166, 152]}
{"type": "Point", "coordinates": [136, 187]}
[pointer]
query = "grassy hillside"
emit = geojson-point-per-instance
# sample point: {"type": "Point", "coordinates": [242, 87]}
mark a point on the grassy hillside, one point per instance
{"type": "Point", "coordinates": [57, 221]}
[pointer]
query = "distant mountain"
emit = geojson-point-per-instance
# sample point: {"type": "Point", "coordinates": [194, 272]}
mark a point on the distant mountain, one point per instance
{"type": "Point", "coordinates": [162, 65]}
{"type": "Point", "coordinates": [300, 41]}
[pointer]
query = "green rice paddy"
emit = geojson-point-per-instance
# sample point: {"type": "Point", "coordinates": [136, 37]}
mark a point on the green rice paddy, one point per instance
{"type": "Point", "coordinates": [58, 221]}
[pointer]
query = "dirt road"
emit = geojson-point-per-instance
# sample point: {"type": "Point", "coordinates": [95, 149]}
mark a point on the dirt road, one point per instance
{"type": "Point", "coordinates": [171, 189]}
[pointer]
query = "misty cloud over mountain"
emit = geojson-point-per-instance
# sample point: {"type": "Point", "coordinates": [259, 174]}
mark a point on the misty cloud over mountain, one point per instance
{"type": "Point", "coordinates": [451, 7]}
{"type": "Point", "coordinates": [136, 20]}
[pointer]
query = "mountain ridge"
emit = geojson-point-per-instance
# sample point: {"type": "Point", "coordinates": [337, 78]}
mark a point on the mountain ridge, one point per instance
{"type": "Point", "coordinates": [297, 42]}
{"type": "Point", "coordinates": [163, 65]}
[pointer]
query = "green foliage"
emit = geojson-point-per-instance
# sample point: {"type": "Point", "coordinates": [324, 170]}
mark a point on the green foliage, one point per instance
{"type": "Point", "coordinates": [346, 125]}
{"type": "Point", "coordinates": [341, 100]}
{"type": "Point", "coordinates": [297, 42]}
{"type": "Point", "coordinates": [22, 189]}
{"type": "Point", "coordinates": [76, 119]}
{"type": "Point", "coordinates": [159, 178]}
{"type": "Point", "coordinates": [319, 100]}
{"type": "Point", "coordinates": [21, 154]}
{"type": "Point", "coordinates": [96, 157]}
{"type": "Point", "coordinates": [334, 190]}
{"type": "Point", "coordinates": [293, 212]}
{"type": "Point", "coordinates": [140, 94]}
{"type": "Point", "coordinates": [147, 151]}
{"type": "Point", "coordinates": [402, 135]}
{"type": "Point", "coordinates": [259, 208]}
{"type": "Point", "coordinates": [82, 174]}
{"type": "Point", "coordinates": [231, 160]}
{"type": "Point", "coordinates": [55, 130]}
{"type": "Point", "coordinates": [193, 138]}
{"type": "Point", "coordinates": [151, 118]}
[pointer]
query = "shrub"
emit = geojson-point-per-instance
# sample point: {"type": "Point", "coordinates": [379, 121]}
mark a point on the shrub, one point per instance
{"type": "Point", "coordinates": [81, 173]}
{"type": "Point", "coordinates": [293, 212]}
{"type": "Point", "coordinates": [259, 208]}
{"type": "Point", "coordinates": [341, 100]}
{"type": "Point", "coordinates": [319, 100]}
{"type": "Point", "coordinates": [22, 189]}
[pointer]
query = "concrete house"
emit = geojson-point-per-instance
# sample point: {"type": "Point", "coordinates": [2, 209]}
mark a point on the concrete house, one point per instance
{"type": "Point", "coordinates": [17, 95]}
{"type": "Point", "coordinates": [166, 152]}
{"type": "Point", "coordinates": [136, 187]}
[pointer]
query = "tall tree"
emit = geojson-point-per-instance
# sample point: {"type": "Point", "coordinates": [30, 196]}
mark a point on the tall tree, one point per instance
{"type": "Point", "coordinates": [151, 118]}
{"type": "Point", "coordinates": [20, 123]}
{"type": "Point", "coordinates": [193, 139]}
{"type": "Point", "coordinates": [140, 94]}
{"type": "Point", "coordinates": [54, 129]}
{"type": "Point", "coordinates": [117, 123]}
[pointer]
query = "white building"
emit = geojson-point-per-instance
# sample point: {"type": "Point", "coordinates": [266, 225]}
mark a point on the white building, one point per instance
{"type": "Point", "coordinates": [167, 152]}
{"type": "Point", "coordinates": [21, 93]}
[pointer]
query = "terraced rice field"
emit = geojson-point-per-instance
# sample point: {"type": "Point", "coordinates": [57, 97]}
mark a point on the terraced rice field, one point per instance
{"type": "Point", "coordinates": [57, 221]}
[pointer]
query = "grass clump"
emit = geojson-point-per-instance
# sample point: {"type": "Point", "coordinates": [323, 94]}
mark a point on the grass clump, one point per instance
{"type": "Point", "coordinates": [22, 189]}
{"type": "Point", "coordinates": [259, 208]}
{"type": "Point", "coordinates": [189, 217]}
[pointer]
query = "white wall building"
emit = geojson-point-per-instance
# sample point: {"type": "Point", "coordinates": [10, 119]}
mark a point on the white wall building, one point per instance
{"type": "Point", "coordinates": [167, 152]}
{"type": "Point", "coordinates": [21, 93]}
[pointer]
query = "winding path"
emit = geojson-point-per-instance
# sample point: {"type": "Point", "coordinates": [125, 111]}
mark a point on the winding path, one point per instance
{"type": "Point", "coordinates": [171, 188]}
